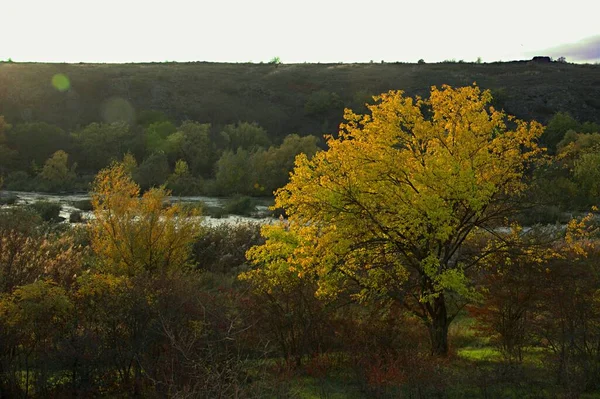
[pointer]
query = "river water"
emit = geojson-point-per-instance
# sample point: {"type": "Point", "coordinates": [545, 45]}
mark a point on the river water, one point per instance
{"type": "Point", "coordinates": [66, 202]}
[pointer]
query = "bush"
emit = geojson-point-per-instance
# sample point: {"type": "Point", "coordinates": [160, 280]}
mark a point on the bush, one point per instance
{"type": "Point", "coordinates": [321, 102]}
{"type": "Point", "coordinates": [76, 217]}
{"type": "Point", "coordinates": [223, 248]}
{"type": "Point", "coordinates": [185, 185]}
{"type": "Point", "coordinates": [83, 205]}
{"type": "Point", "coordinates": [8, 200]}
{"type": "Point", "coordinates": [48, 211]}
{"type": "Point", "coordinates": [214, 212]}
{"type": "Point", "coordinates": [18, 181]}
{"type": "Point", "coordinates": [21, 219]}
{"type": "Point", "coordinates": [240, 205]}
{"type": "Point", "coordinates": [543, 214]}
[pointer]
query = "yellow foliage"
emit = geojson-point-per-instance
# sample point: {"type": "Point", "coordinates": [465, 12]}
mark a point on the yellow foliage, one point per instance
{"type": "Point", "coordinates": [276, 258]}
{"type": "Point", "coordinates": [131, 234]}
{"type": "Point", "coordinates": [400, 191]}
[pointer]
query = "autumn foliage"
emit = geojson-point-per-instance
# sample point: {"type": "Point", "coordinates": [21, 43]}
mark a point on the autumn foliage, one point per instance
{"type": "Point", "coordinates": [387, 209]}
{"type": "Point", "coordinates": [399, 270]}
{"type": "Point", "coordinates": [131, 234]}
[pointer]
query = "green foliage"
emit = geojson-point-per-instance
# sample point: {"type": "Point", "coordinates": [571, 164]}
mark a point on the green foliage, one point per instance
{"type": "Point", "coordinates": [48, 211]}
{"type": "Point", "coordinates": [8, 199]}
{"type": "Point", "coordinates": [272, 167]}
{"type": "Point", "coordinates": [589, 127]}
{"type": "Point", "coordinates": [76, 217]}
{"type": "Point", "coordinates": [83, 205]}
{"type": "Point", "coordinates": [568, 182]}
{"type": "Point", "coordinates": [234, 172]}
{"type": "Point", "coordinates": [587, 174]}
{"type": "Point", "coordinates": [148, 117]}
{"type": "Point", "coordinates": [195, 147]}
{"type": "Point", "coordinates": [156, 136]}
{"type": "Point", "coordinates": [181, 182]}
{"type": "Point", "coordinates": [240, 205]}
{"type": "Point", "coordinates": [153, 172]}
{"type": "Point", "coordinates": [248, 136]}
{"type": "Point", "coordinates": [56, 173]}
{"type": "Point", "coordinates": [23, 220]}
{"type": "Point", "coordinates": [222, 93]}
{"type": "Point", "coordinates": [36, 142]}
{"type": "Point", "coordinates": [18, 181]}
{"type": "Point", "coordinates": [101, 143]}
{"type": "Point", "coordinates": [260, 172]}
{"type": "Point", "coordinates": [322, 102]}
{"type": "Point", "coordinates": [7, 155]}
{"type": "Point", "coordinates": [560, 124]}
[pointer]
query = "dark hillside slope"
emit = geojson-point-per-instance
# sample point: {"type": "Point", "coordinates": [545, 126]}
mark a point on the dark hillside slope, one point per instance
{"type": "Point", "coordinates": [293, 98]}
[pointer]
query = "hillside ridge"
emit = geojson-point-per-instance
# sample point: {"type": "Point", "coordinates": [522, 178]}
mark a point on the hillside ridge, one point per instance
{"type": "Point", "coordinates": [283, 98]}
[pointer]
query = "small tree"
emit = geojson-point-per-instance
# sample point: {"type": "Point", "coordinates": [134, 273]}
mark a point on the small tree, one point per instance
{"type": "Point", "coordinates": [132, 234]}
{"type": "Point", "coordinates": [56, 172]}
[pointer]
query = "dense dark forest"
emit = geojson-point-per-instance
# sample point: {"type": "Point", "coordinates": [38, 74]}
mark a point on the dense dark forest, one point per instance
{"type": "Point", "coordinates": [283, 99]}
{"type": "Point", "coordinates": [430, 246]}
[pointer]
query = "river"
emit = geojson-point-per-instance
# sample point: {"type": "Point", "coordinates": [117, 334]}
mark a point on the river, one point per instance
{"type": "Point", "coordinates": [66, 202]}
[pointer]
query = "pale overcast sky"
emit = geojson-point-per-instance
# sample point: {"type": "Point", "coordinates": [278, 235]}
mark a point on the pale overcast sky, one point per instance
{"type": "Point", "coordinates": [297, 31]}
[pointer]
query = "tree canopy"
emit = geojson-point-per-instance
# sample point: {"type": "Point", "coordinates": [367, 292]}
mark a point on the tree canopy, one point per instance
{"type": "Point", "coordinates": [132, 234]}
{"type": "Point", "coordinates": [389, 206]}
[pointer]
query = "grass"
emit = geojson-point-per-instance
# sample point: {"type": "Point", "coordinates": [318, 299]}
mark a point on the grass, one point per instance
{"type": "Point", "coordinates": [486, 354]}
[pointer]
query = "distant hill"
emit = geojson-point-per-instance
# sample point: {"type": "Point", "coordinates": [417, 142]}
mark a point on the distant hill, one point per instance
{"type": "Point", "coordinates": [284, 98]}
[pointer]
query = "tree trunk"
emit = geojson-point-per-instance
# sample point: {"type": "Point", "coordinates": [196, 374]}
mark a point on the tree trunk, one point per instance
{"type": "Point", "coordinates": [438, 326]}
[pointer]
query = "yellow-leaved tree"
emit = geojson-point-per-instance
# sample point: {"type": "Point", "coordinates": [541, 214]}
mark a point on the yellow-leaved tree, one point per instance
{"type": "Point", "coordinates": [388, 208]}
{"type": "Point", "coordinates": [131, 234]}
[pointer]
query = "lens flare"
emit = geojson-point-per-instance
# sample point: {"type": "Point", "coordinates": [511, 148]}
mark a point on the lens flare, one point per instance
{"type": "Point", "coordinates": [117, 109]}
{"type": "Point", "coordinates": [61, 82]}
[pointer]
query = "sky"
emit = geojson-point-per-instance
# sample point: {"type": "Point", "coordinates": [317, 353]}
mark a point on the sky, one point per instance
{"type": "Point", "coordinates": [297, 31]}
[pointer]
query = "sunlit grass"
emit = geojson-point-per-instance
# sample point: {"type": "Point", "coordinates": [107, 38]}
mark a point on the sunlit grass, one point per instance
{"type": "Point", "coordinates": [480, 354]}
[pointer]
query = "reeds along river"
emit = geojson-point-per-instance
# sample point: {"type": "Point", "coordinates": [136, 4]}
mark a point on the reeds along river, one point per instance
{"type": "Point", "coordinates": [67, 202]}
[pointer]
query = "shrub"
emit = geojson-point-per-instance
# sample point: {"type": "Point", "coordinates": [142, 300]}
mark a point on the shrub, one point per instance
{"type": "Point", "coordinates": [8, 200]}
{"type": "Point", "coordinates": [185, 185]}
{"type": "Point", "coordinates": [19, 181]}
{"type": "Point", "coordinates": [21, 219]}
{"type": "Point", "coordinates": [240, 205]}
{"type": "Point", "coordinates": [76, 217]}
{"type": "Point", "coordinates": [214, 212]}
{"type": "Point", "coordinates": [83, 205]}
{"type": "Point", "coordinates": [321, 102]}
{"type": "Point", "coordinates": [48, 211]}
{"type": "Point", "coordinates": [223, 248]}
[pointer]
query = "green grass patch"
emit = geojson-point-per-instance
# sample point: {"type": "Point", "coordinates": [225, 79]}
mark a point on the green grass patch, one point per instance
{"type": "Point", "coordinates": [480, 354]}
